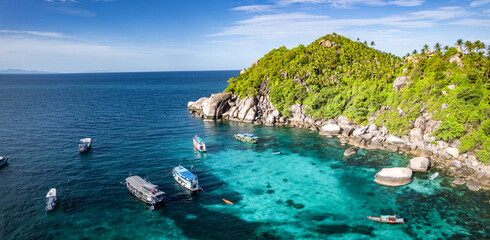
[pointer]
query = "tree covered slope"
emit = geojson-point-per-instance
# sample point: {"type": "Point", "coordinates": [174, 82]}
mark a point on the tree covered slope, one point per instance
{"type": "Point", "coordinates": [337, 76]}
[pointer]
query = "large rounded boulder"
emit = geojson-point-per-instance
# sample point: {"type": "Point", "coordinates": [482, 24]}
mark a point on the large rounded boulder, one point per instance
{"type": "Point", "coordinates": [394, 177]}
{"type": "Point", "coordinates": [419, 164]}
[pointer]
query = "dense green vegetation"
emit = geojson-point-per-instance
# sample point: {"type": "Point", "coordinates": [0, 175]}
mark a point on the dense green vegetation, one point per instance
{"type": "Point", "coordinates": [354, 79]}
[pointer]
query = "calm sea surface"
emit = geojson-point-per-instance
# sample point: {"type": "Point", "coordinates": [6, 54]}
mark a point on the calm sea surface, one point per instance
{"type": "Point", "coordinates": [140, 125]}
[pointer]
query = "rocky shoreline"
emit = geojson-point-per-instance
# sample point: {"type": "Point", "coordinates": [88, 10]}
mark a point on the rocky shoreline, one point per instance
{"type": "Point", "coordinates": [465, 168]}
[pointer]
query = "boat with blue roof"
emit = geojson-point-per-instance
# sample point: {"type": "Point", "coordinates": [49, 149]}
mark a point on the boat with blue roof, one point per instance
{"type": "Point", "coordinates": [84, 145]}
{"type": "Point", "coordinates": [247, 137]}
{"type": "Point", "coordinates": [199, 144]}
{"type": "Point", "coordinates": [185, 178]}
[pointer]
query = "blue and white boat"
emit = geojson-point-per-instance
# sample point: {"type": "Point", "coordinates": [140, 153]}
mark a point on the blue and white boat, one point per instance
{"type": "Point", "coordinates": [3, 161]}
{"type": "Point", "coordinates": [247, 137]}
{"type": "Point", "coordinates": [85, 144]}
{"type": "Point", "coordinates": [51, 199]}
{"type": "Point", "coordinates": [185, 178]}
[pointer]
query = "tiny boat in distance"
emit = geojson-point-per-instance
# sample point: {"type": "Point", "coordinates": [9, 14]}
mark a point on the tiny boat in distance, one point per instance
{"type": "Point", "coordinates": [185, 178]}
{"type": "Point", "coordinates": [144, 190]}
{"type": "Point", "coordinates": [3, 161]}
{"type": "Point", "coordinates": [392, 219]}
{"type": "Point", "coordinates": [434, 176]}
{"type": "Point", "coordinates": [85, 144]}
{"type": "Point", "coordinates": [51, 199]}
{"type": "Point", "coordinates": [247, 137]}
{"type": "Point", "coordinates": [199, 144]}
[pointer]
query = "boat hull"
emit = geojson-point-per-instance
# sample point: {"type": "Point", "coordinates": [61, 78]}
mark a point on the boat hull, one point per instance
{"type": "Point", "coordinates": [387, 220]}
{"type": "Point", "coordinates": [4, 162]}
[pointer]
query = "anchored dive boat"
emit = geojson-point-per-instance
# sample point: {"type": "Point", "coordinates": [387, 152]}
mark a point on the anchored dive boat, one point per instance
{"type": "Point", "coordinates": [144, 190]}
{"type": "Point", "coordinates": [185, 178]}
{"type": "Point", "coordinates": [3, 161]}
{"type": "Point", "coordinates": [51, 199]}
{"type": "Point", "coordinates": [247, 137]}
{"type": "Point", "coordinates": [85, 144]}
{"type": "Point", "coordinates": [392, 219]}
{"type": "Point", "coordinates": [199, 144]}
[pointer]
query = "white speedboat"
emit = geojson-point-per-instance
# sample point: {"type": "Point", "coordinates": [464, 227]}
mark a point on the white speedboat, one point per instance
{"type": "Point", "coordinates": [51, 199]}
{"type": "Point", "coordinates": [185, 178]}
{"type": "Point", "coordinates": [85, 144]}
{"type": "Point", "coordinates": [434, 176]}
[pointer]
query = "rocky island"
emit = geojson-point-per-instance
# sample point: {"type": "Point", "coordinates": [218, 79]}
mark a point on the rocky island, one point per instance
{"type": "Point", "coordinates": [434, 105]}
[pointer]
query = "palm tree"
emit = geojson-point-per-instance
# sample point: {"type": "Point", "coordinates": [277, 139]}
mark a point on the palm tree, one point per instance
{"type": "Point", "coordinates": [372, 43]}
{"type": "Point", "coordinates": [469, 46]}
{"type": "Point", "coordinates": [437, 47]}
{"type": "Point", "coordinates": [414, 52]}
{"type": "Point", "coordinates": [459, 42]}
{"type": "Point", "coordinates": [446, 48]}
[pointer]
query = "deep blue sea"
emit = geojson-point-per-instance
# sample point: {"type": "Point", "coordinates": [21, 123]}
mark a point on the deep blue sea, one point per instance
{"type": "Point", "coordinates": [140, 125]}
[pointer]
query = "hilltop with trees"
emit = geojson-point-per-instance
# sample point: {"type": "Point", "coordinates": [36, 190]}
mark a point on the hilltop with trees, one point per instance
{"type": "Point", "coordinates": [336, 76]}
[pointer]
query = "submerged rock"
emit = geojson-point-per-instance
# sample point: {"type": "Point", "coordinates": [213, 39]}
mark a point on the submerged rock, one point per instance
{"type": "Point", "coordinates": [473, 186]}
{"type": "Point", "coordinates": [459, 181]}
{"type": "Point", "coordinates": [419, 164]}
{"type": "Point", "coordinates": [394, 177]}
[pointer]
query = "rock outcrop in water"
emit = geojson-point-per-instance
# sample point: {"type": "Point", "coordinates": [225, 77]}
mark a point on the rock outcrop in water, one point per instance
{"type": "Point", "coordinates": [394, 177]}
{"type": "Point", "coordinates": [419, 142]}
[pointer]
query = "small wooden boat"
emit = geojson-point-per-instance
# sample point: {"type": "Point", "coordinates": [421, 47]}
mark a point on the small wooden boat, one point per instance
{"type": "Point", "coordinates": [84, 145]}
{"type": "Point", "coordinates": [3, 161]}
{"type": "Point", "coordinates": [199, 144]}
{"type": "Point", "coordinates": [276, 153]}
{"type": "Point", "coordinates": [51, 199]}
{"type": "Point", "coordinates": [247, 137]}
{"type": "Point", "coordinates": [185, 178]}
{"type": "Point", "coordinates": [227, 201]}
{"type": "Point", "coordinates": [433, 176]}
{"type": "Point", "coordinates": [392, 219]}
{"type": "Point", "coordinates": [144, 190]}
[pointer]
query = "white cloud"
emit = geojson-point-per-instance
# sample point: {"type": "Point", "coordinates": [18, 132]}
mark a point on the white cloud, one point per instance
{"type": "Point", "coordinates": [289, 24]}
{"type": "Point", "coordinates": [351, 3]}
{"type": "Point", "coordinates": [36, 33]}
{"type": "Point", "coordinates": [479, 3]}
{"type": "Point", "coordinates": [473, 22]}
{"type": "Point", "coordinates": [254, 8]}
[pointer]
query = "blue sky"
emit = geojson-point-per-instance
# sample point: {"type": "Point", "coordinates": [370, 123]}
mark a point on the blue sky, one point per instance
{"type": "Point", "coordinates": [150, 35]}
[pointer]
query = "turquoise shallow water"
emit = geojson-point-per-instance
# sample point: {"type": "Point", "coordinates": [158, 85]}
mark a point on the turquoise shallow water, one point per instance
{"type": "Point", "coordinates": [140, 125]}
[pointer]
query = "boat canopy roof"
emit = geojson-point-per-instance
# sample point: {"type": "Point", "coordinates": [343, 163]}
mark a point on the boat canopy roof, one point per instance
{"type": "Point", "coordinates": [87, 140]}
{"type": "Point", "coordinates": [138, 182]}
{"type": "Point", "coordinates": [51, 193]}
{"type": "Point", "coordinates": [1, 158]}
{"type": "Point", "coordinates": [198, 139]}
{"type": "Point", "coordinates": [185, 173]}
